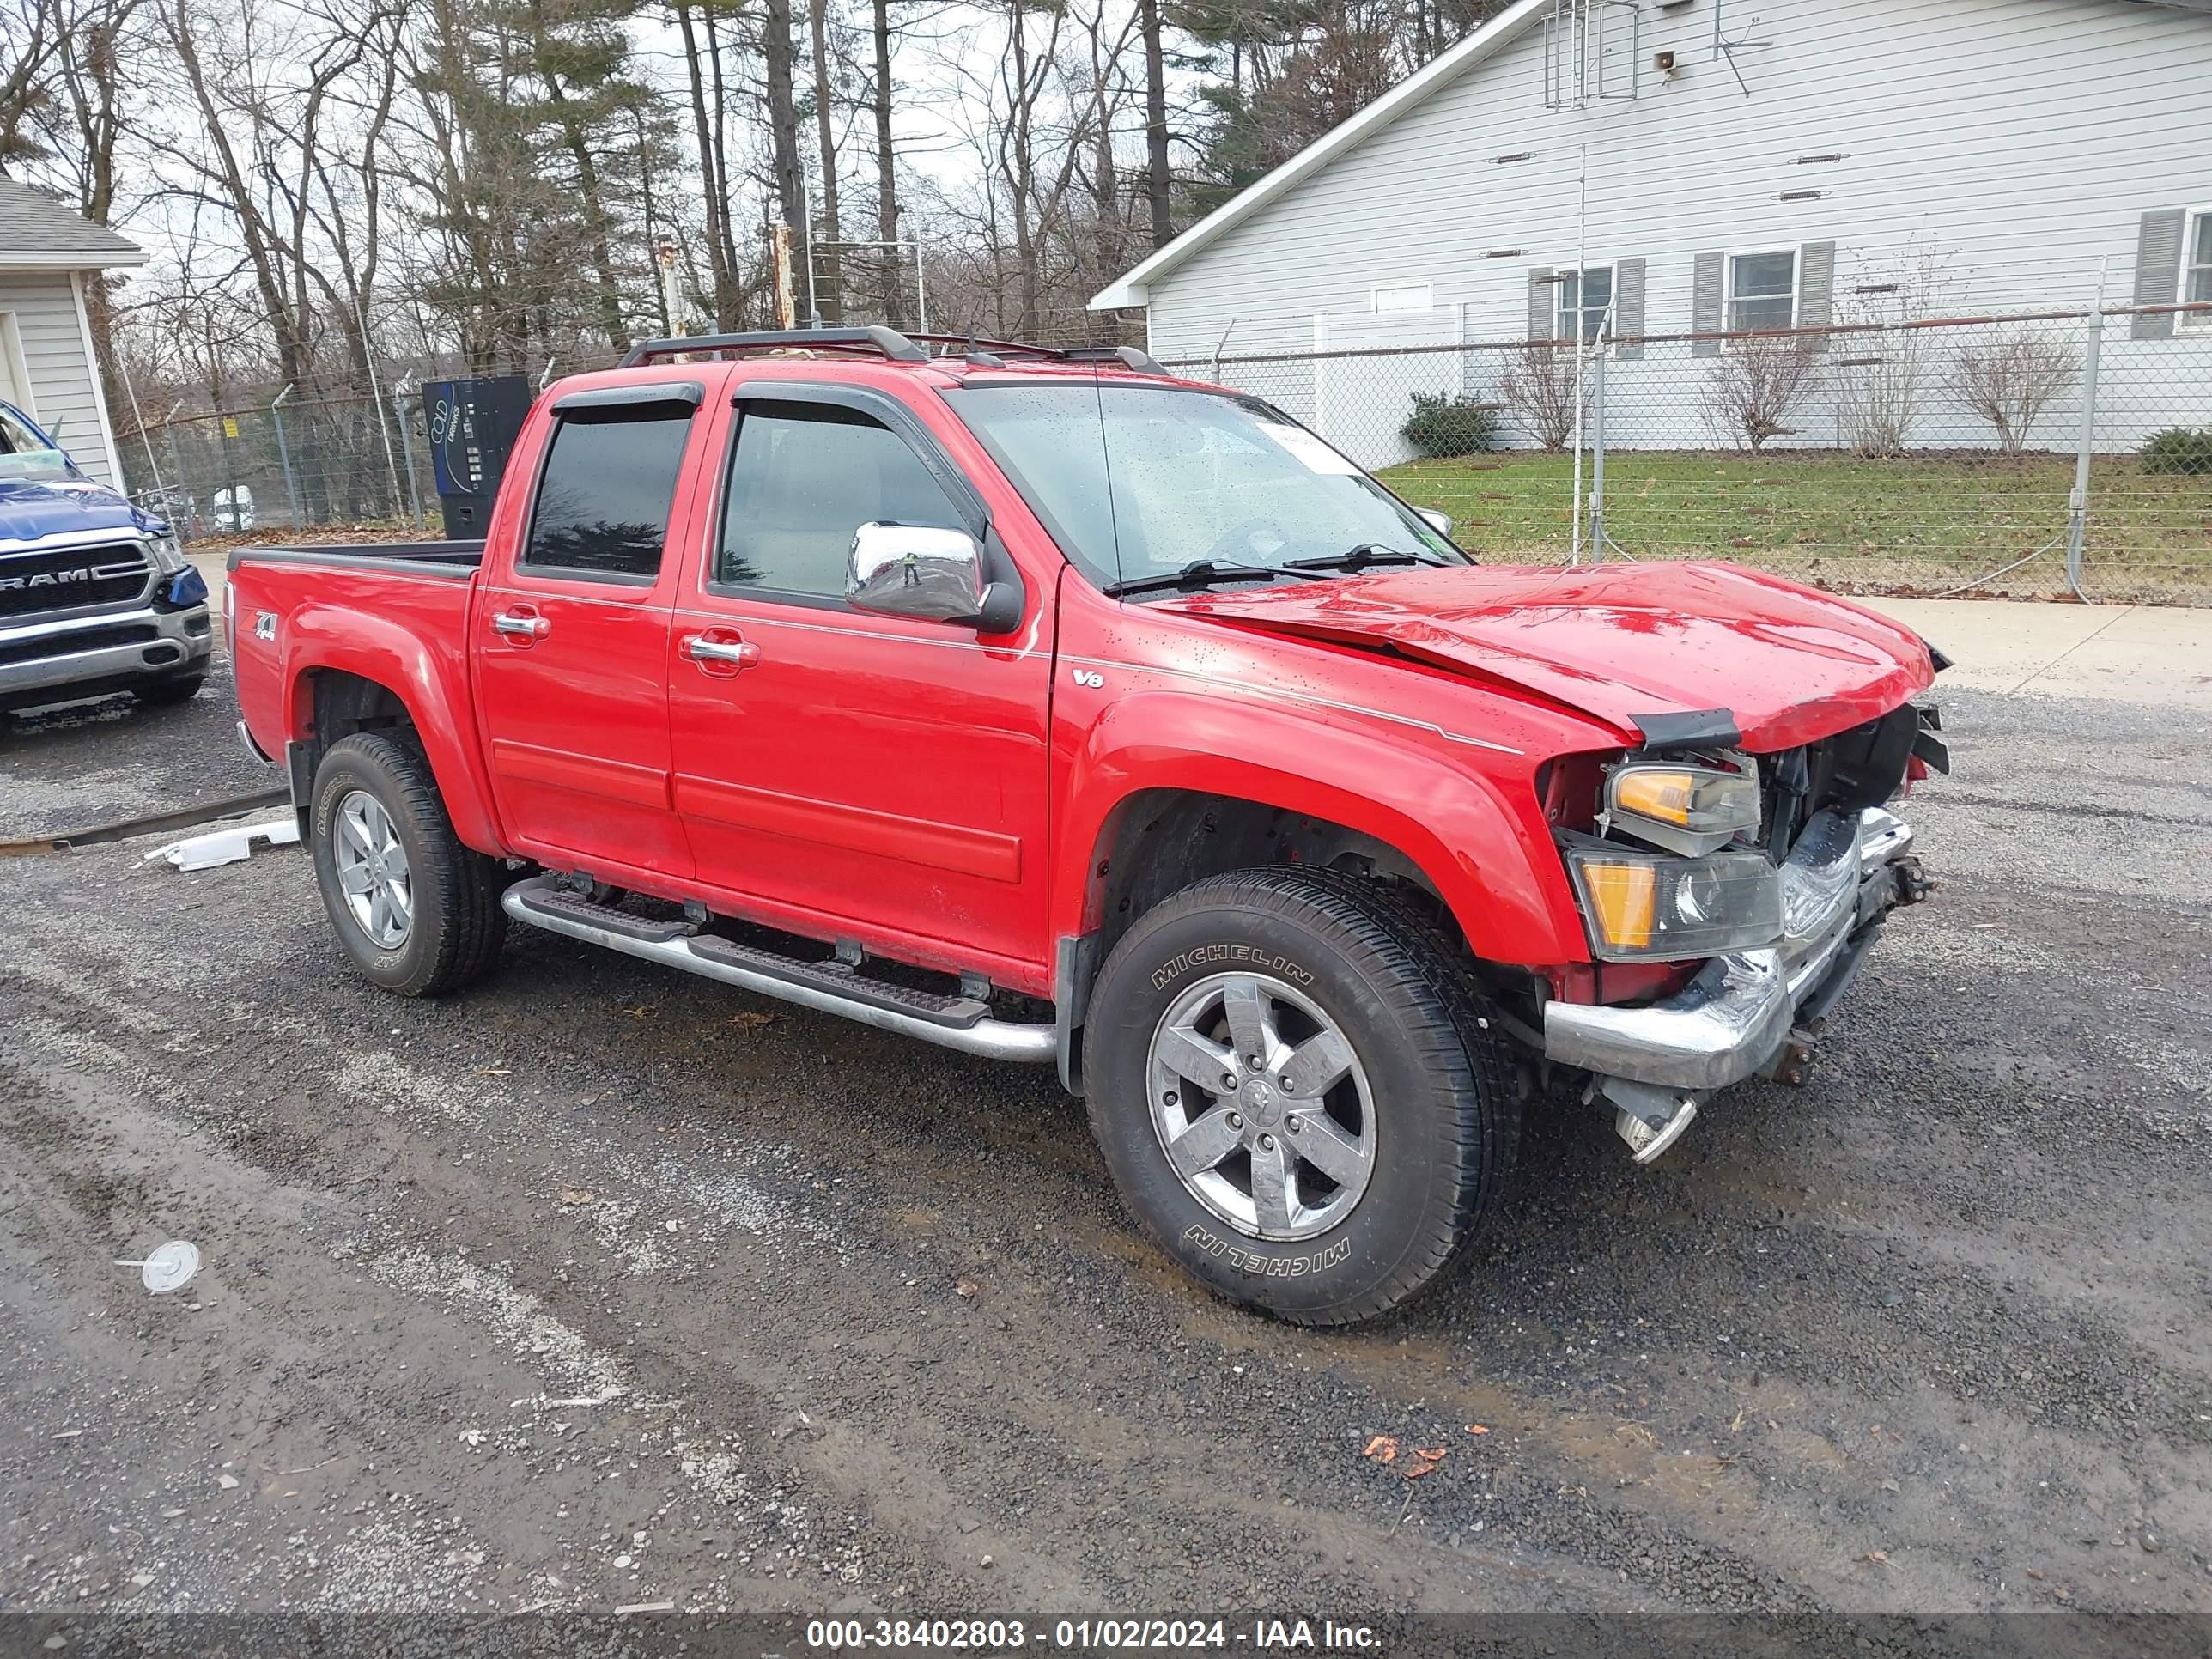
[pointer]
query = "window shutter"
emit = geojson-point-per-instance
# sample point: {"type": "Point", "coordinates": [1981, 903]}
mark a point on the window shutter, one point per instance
{"type": "Point", "coordinates": [1628, 307]}
{"type": "Point", "coordinates": [1543, 308]}
{"type": "Point", "coordinates": [2158, 271]}
{"type": "Point", "coordinates": [1705, 303]}
{"type": "Point", "coordinates": [1816, 289]}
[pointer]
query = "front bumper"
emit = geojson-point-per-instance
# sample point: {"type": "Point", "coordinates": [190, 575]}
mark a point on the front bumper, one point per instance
{"type": "Point", "coordinates": [80, 656]}
{"type": "Point", "coordinates": [1736, 1017]}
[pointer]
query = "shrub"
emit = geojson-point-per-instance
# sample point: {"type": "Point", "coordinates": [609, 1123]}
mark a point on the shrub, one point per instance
{"type": "Point", "coordinates": [2008, 382]}
{"type": "Point", "coordinates": [1540, 388]}
{"type": "Point", "coordinates": [1754, 386]}
{"type": "Point", "coordinates": [1441, 427]}
{"type": "Point", "coordinates": [2178, 449]}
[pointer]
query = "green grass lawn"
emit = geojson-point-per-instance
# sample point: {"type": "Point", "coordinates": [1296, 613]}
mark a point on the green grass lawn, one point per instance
{"type": "Point", "coordinates": [1915, 523]}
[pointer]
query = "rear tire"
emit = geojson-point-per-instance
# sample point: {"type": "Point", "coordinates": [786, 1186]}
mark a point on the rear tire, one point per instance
{"type": "Point", "coordinates": [1330, 1204]}
{"type": "Point", "coordinates": [418, 912]}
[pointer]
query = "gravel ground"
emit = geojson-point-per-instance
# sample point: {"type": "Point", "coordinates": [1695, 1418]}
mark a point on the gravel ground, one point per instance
{"type": "Point", "coordinates": [598, 1285]}
{"type": "Point", "coordinates": [83, 764]}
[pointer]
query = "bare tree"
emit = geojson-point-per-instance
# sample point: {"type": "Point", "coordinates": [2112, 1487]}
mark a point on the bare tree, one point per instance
{"type": "Point", "coordinates": [1755, 385]}
{"type": "Point", "coordinates": [777, 59]}
{"type": "Point", "coordinates": [2010, 381]}
{"type": "Point", "coordinates": [829, 272]}
{"type": "Point", "coordinates": [887, 206]}
{"type": "Point", "coordinates": [1883, 375]}
{"type": "Point", "coordinates": [1157, 181]}
{"type": "Point", "coordinates": [32, 36]}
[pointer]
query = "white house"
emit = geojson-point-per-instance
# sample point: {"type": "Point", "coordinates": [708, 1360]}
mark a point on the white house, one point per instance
{"type": "Point", "coordinates": [47, 369]}
{"type": "Point", "coordinates": [1708, 165]}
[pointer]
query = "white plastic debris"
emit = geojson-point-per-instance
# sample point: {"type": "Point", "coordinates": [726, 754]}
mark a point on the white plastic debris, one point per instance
{"type": "Point", "coordinates": [169, 1267]}
{"type": "Point", "coordinates": [231, 844]}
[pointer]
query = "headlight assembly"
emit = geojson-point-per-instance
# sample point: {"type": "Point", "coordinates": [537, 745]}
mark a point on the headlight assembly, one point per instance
{"type": "Point", "coordinates": [1684, 809]}
{"type": "Point", "coordinates": [1642, 907]}
{"type": "Point", "coordinates": [168, 557]}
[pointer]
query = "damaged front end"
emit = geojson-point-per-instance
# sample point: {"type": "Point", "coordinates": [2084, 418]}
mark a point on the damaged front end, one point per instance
{"type": "Point", "coordinates": [1768, 876]}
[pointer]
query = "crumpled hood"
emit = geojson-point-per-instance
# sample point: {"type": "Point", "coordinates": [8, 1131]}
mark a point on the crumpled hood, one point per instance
{"type": "Point", "coordinates": [1619, 640]}
{"type": "Point", "coordinates": [30, 510]}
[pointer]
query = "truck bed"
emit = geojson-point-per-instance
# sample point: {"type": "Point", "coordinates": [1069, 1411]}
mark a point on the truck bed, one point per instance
{"type": "Point", "coordinates": [458, 560]}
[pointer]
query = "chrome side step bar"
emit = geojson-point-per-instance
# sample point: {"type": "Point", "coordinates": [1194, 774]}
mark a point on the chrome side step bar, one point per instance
{"type": "Point", "coordinates": [960, 1023]}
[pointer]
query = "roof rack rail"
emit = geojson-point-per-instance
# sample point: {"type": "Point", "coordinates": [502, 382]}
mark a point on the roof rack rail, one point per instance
{"type": "Point", "coordinates": [888, 341]}
{"type": "Point", "coordinates": [1128, 356]}
{"type": "Point", "coordinates": [898, 347]}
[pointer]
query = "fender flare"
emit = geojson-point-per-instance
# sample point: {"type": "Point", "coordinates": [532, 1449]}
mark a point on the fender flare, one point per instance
{"type": "Point", "coordinates": [1492, 864]}
{"type": "Point", "coordinates": [328, 638]}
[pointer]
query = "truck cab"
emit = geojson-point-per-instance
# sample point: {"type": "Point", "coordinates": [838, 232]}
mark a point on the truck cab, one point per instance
{"type": "Point", "coordinates": [95, 595]}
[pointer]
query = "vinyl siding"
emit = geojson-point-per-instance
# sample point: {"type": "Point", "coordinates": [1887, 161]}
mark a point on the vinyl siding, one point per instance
{"type": "Point", "coordinates": [2019, 142]}
{"type": "Point", "coordinates": [52, 337]}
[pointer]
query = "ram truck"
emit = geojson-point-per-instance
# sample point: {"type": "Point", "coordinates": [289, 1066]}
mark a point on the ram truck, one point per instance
{"type": "Point", "coordinates": [95, 595]}
{"type": "Point", "coordinates": [1047, 708]}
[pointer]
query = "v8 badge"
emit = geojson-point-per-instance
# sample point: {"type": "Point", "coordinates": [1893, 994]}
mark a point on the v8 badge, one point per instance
{"type": "Point", "coordinates": [1089, 677]}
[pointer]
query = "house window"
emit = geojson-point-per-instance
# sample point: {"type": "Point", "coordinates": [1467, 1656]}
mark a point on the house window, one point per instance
{"type": "Point", "coordinates": [2197, 269]}
{"type": "Point", "coordinates": [1403, 296]}
{"type": "Point", "coordinates": [1763, 290]}
{"type": "Point", "coordinates": [1583, 298]}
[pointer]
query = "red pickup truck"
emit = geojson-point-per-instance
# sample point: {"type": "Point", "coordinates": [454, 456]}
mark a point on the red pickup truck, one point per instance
{"type": "Point", "coordinates": [1045, 707]}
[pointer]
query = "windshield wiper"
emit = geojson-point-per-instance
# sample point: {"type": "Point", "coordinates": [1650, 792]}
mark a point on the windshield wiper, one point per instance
{"type": "Point", "coordinates": [1360, 557]}
{"type": "Point", "coordinates": [1198, 572]}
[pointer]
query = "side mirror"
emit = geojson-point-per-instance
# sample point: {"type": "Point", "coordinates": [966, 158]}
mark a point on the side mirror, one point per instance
{"type": "Point", "coordinates": [930, 574]}
{"type": "Point", "coordinates": [1439, 522]}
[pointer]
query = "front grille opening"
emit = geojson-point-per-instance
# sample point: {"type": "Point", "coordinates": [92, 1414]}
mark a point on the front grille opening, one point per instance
{"type": "Point", "coordinates": [45, 581]}
{"type": "Point", "coordinates": [70, 644]}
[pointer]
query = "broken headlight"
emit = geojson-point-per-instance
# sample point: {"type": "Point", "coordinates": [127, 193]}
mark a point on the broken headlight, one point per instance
{"type": "Point", "coordinates": [1684, 809]}
{"type": "Point", "coordinates": [1642, 907]}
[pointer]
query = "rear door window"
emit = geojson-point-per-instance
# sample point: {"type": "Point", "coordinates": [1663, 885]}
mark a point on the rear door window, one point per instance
{"type": "Point", "coordinates": [605, 493]}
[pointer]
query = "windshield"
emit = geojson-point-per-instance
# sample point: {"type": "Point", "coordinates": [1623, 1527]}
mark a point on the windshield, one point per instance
{"type": "Point", "coordinates": [24, 451]}
{"type": "Point", "coordinates": [1138, 482]}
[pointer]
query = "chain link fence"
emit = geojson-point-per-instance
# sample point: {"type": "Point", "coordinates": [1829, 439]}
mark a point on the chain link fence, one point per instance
{"type": "Point", "coordinates": [2036, 454]}
{"type": "Point", "coordinates": [286, 464]}
{"type": "Point", "coordinates": [2039, 454]}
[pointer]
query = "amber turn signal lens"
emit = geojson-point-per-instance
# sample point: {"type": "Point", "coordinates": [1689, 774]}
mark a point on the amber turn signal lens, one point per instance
{"type": "Point", "coordinates": [1621, 896]}
{"type": "Point", "coordinates": [1653, 792]}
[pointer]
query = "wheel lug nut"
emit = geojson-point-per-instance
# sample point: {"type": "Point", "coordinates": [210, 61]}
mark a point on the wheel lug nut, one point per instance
{"type": "Point", "coordinates": [1266, 1143]}
{"type": "Point", "coordinates": [1236, 1119]}
{"type": "Point", "coordinates": [1254, 1062]}
{"type": "Point", "coordinates": [1292, 1125]}
{"type": "Point", "coordinates": [1229, 1081]}
{"type": "Point", "coordinates": [1169, 1098]}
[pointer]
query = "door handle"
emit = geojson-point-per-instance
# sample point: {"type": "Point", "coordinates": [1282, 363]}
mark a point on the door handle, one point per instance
{"type": "Point", "coordinates": [520, 628]}
{"type": "Point", "coordinates": [738, 654]}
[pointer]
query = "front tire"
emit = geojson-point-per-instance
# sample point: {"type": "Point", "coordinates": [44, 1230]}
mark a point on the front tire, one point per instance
{"type": "Point", "coordinates": [1334, 1177]}
{"type": "Point", "coordinates": [161, 694]}
{"type": "Point", "coordinates": [418, 912]}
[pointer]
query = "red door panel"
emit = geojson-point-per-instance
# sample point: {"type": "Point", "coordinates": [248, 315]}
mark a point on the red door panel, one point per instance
{"type": "Point", "coordinates": [578, 721]}
{"type": "Point", "coordinates": [572, 628]}
{"type": "Point", "coordinates": [885, 784]}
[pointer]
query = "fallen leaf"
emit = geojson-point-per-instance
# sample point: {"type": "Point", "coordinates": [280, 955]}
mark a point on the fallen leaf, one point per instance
{"type": "Point", "coordinates": [640, 1011]}
{"type": "Point", "coordinates": [1736, 1427]}
{"type": "Point", "coordinates": [751, 1019]}
{"type": "Point", "coordinates": [1423, 1461]}
{"type": "Point", "coordinates": [966, 1290]}
{"type": "Point", "coordinates": [1478, 1428]}
{"type": "Point", "coordinates": [574, 1195]}
{"type": "Point", "coordinates": [1879, 1558]}
{"type": "Point", "coordinates": [1383, 1449]}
